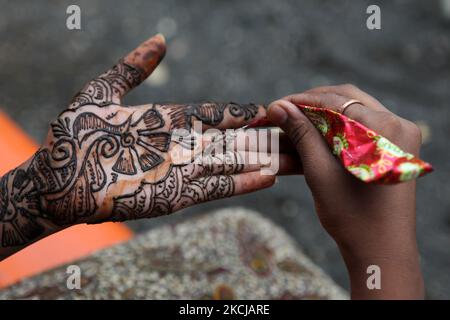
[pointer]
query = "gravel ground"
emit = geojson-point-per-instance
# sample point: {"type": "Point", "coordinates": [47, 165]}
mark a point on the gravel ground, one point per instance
{"type": "Point", "coordinates": [185, 262]}
{"type": "Point", "coordinates": [251, 51]}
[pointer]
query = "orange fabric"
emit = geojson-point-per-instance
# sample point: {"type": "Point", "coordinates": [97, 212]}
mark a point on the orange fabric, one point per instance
{"type": "Point", "coordinates": [15, 146]}
{"type": "Point", "coordinates": [60, 248]}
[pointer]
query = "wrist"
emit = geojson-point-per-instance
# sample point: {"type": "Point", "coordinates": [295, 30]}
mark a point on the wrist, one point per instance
{"type": "Point", "coordinates": [22, 220]}
{"type": "Point", "coordinates": [396, 261]}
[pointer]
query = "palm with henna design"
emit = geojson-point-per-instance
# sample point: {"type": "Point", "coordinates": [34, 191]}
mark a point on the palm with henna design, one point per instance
{"type": "Point", "coordinates": [104, 161]}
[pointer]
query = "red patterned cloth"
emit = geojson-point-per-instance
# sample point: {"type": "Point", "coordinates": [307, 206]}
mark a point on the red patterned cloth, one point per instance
{"type": "Point", "coordinates": [364, 153]}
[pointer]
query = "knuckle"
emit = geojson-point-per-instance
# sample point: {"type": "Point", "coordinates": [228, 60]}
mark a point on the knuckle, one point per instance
{"type": "Point", "coordinates": [320, 89]}
{"type": "Point", "coordinates": [412, 137]}
{"type": "Point", "coordinates": [336, 98]}
{"type": "Point", "coordinates": [387, 124]}
{"type": "Point", "coordinates": [404, 133]}
{"type": "Point", "coordinates": [413, 131]}
{"type": "Point", "coordinates": [390, 121]}
{"type": "Point", "coordinates": [346, 87]}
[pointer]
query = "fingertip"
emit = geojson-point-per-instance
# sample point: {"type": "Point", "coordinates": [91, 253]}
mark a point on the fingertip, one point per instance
{"type": "Point", "coordinates": [283, 111]}
{"type": "Point", "coordinates": [289, 107]}
{"type": "Point", "coordinates": [148, 54]}
{"type": "Point", "coordinates": [276, 113]}
{"type": "Point", "coordinates": [161, 36]}
{"type": "Point", "coordinates": [266, 180]}
{"type": "Point", "coordinates": [252, 181]}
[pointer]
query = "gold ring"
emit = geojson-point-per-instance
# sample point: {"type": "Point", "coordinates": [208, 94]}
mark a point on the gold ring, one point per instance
{"type": "Point", "coordinates": [341, 110]}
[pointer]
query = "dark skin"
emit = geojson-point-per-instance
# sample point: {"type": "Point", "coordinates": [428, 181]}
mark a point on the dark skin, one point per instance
{"type": "Point", "coordinates": [106, 161]}
{"type": "Point", "coordinates": [371, 224]}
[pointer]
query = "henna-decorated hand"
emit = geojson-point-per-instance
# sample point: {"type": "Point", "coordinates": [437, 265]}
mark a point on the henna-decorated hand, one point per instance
{"type": "Point", "coordinates": [105, 161]}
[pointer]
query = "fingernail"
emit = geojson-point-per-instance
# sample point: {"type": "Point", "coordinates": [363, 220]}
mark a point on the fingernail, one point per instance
{"type": "Point", "coordinates": [277, 114]}
{"type": "Point", "coordinates": [161, 36]}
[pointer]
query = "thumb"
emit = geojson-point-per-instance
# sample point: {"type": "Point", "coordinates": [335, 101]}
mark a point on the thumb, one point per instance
{"type": "Point", "coordinates": [316, 158]}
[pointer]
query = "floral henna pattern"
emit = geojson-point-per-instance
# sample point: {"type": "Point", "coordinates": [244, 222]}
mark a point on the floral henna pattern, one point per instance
{"type": "Point", "coordinates": [106, 89]}
{"type": "Point", "coordinates": [106, 161]}
{"type": "Point", "coordinates": [140, 138]}
{"type": "Point", "coordinates": [18, 214]}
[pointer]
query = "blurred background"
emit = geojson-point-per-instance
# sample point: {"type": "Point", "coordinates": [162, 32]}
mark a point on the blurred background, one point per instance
{"type": "Point", "coordinates": [251, 51]}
